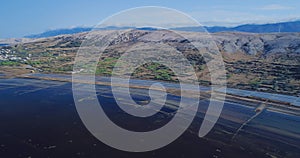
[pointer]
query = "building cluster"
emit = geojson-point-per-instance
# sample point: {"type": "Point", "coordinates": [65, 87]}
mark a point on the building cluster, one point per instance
{"type": "Point", "coordinates": [9, 55]}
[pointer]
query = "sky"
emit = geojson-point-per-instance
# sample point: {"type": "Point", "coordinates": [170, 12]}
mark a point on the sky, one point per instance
{"type": "Point", "coordinates": [20, 17]}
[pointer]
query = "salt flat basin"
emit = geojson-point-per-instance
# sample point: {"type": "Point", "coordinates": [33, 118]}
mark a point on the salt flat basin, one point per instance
{"type": "Point", "coordinates": [38, 118]}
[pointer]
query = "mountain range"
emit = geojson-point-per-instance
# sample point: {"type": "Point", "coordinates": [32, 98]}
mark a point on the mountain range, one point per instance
{"type": "Point", "coordinates": [291, 26]}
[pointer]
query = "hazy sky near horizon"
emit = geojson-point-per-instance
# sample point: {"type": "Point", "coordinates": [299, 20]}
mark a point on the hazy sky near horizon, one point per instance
{"type": "Point", "coordinates": [20, 17]}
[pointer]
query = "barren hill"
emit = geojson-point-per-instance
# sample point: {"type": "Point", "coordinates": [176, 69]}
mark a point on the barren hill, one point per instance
{"type": "Point", "coordinates": [265, 62]}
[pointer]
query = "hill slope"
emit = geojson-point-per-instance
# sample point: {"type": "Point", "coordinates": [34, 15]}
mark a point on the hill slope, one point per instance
{"type": "Point", "coordinates": [264, 62]}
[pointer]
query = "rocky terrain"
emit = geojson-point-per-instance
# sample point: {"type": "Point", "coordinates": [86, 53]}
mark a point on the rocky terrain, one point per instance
{"type": "Point", "coordinates": [263, 62]}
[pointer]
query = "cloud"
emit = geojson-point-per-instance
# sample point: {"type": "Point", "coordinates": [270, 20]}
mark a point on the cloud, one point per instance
{"type": "Point", "coordinates": [276, 7]}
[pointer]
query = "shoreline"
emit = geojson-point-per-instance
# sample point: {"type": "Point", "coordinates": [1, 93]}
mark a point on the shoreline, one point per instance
{"type": "Point", "coordinates": [250, 101]}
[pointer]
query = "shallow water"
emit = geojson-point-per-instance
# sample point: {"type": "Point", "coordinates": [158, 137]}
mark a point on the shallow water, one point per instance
{"type": "Point", "coordinates": [38, 118]}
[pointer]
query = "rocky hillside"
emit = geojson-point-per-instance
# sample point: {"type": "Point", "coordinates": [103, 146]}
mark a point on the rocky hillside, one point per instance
{"type": "Point", "coordinates": [262, 45]}
{"type": "Point", "coordinates": [264, 62]}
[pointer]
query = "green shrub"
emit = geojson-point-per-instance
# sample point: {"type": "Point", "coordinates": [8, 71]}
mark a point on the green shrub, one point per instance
{"type": "Point", "coordinates": [9, 63]}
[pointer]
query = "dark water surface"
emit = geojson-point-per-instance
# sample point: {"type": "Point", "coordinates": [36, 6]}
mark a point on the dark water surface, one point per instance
{"type": "Point", "coordinates": [38, 118]}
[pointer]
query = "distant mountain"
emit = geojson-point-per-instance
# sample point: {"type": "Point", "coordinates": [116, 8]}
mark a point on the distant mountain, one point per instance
{"type": "Point", "coordinates": [56, 32]}
{"type": "Point", "coordinates": [293, 26]}
{"type": "Point", "coordinates": [268, 28]}
{"type": "Point", "coordinates": [75, 30]}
